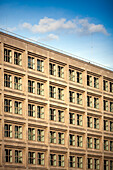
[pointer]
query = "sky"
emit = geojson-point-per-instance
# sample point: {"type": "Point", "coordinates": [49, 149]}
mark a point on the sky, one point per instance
{"type": "Point", "coordinates": [83, 28]}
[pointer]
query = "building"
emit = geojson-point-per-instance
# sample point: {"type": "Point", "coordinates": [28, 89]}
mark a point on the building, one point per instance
{"type": "Point", "coordinates": [56, 111]}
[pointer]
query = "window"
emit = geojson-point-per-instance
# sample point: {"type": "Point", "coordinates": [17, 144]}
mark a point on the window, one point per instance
{"type": "Point", "coordinates": [31, 62]}
{"type": "Point", "coordinates": [7, 80]}
{"type": "Point", "coordinates": [18, 156]}
{"type": "Point", "coordinates": [71, 75]}
{"type": "Point", "coordinates": [96, 143]}
{"type": "Point", "coordinates": [40, 158]}
{"type": "Point", "coordinates": [17, 58]}
{"type": "Point", "coordinates": [71, 140]}
{"type": "Point", "coordinates": [96, 123]}
{"type": "Point", "coordinates": [96, 164]}
{"type": "Point", "coordinates": [96, 103]}
{"type": "Point", "coordinates": [79, 141]}
{"type": "Point", "coordinates": [79, 77]}
{"type": "Point", "coordinates": [72, 161]}
{"type": "Point", "coordinates": [8, 105]}
{"type": "Point", "coordinates": [31, 157]}
{"type": "Point", "coordinates": [61, 71]}
{"type": "Point", "coordinates": [90, 163]}
{"type": "Point", "coordinates": [111, 106]}
{"type": "Point", "coordinates": [72, 118]}
{"type": "Point", "coordinates": [31, 110]}
{"type": "Point", "coordinates": [89, 80]}
{"type": "Point", "coordinates": [18, 132]}
{"type": "Point", "coordinates": [111, 87]}
{"type": "Point", "coordinates": [79, 120]}
{"type": "Point", "coordinates": [60, 138]}
{"type": "Point", "coordinates": [79, 98]}
{"type": "Point", "coordinates": [60, 116]}
{"type": "Point", "coordinates": [18, 83]}
{"type": "Point", "coordinates": [31, 86]}
{"type": "Point", "coordinates": [40, 112]}
{"type": "Point", "coordinates": [89, 101]}
{"type": "Point", "coordinates": [105, 85]}
{"type": "Point", "coordinates": [8, 155]}
{"type": "Point", "coordinates": [40, 65]}
{"type": "Point", "coordinates": [111, 146]}
{"type": "Point", "coordinates": [105, 124]}
{"type": "Point", "coordinates": [8, 130]}
{"type": "Point", "coordinates": [96, 82]}
{"type": "Point", "coordinates": [52, 91]}
{"type": "Point", "coordinates": [89, 122]}
{"type": "Point", "coordinates": [106, 165]}
{"type": "Point", "coordinates": [79, 162]}
{"type": "Point", "coordinates": [71, 96]}
{"type": "Point", "coordinates": [31, 133]}
{"type": "Point", "coordinates": [111, 126]}
{"type": "Point", "coordinates": [7, 55]}
{"type": "Point", "coordinates": [105, 103]}
{"type": "Point", "coordinates": [40, 89]}
{"type": "Point", "coordinates": [111, 165]}
{"type": "Point", "coordinates": [52, 69]}
{"type": "Point", "coordinates": [60, 94]}
{"type": "Point", "coordinates": [52, 114]}
{"type": "Point", "coordinates": [89, 142]}
{"type": "Point", "coordinates": [106, 145]}
{"type": "Point", "coordinates": [53, 159]}
{"type": "Point", "coordinates": [18, 107]}
{"type": "Point", "coordinates": [61, 160]}
{"type": "Point", "coordinates": [52, 137]}
{"type": "Point", "coordinates": [40, 135]}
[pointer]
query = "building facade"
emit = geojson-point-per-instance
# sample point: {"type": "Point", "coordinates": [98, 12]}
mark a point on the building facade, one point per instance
{"type": "Point", "coordinates": [56, 111]}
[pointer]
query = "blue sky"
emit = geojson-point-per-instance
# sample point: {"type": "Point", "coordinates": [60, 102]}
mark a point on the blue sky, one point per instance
{"type": "Point", "coordinates": [81, 27]}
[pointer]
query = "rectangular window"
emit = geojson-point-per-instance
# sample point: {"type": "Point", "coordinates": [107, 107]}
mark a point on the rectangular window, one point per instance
{"type": "Point", "coordinates": [106, 145]}
{"type": "Point", "coordinates": [89, 142]}
{"type": "Point", "coordinates": [105, 103]}
{"type": "Point", "coordinates": [61, 71]}
{"type": "Point", "coordinates": [111, 126]}
{"type": "Point", "coordinates": [72, 161]}
{"type": "Point", "coordinates": [89, 122]}
{"type": "Point", "coordinates": [8, 105]}
{"type": "Point", "coordinates": [52, 114]}
{"type": "Point", "coordinates": [96, 103]}
{"type": "Point", "coordinates": [106, 167]}
{"type": "Point", "coordinates": [105, 85]}
{"type": "Point", "coordinates": [71, 75]}
{"type": "Point", "coordinates": [96, 143]}
{"type": "Point", "coordinates": [111, 165]}
{"type": "Point", "coordinates": [96, 82]}
{"type": "Point", "coordinates": [96, 164]}
{"type": "Point", "coordinates": [18, 107]}
{"type": "Point", "coordinates": [8, 130]}
{"type": "Point", "coordinates": [111, 87]}
{"type": "Point", "coordinates": [53, 159]}
{"type": "Point", "coordinates": [52, 137]}
{"type": "Point", "coordinates": [72, 118]}
{"type": "Point", "coordinates": [105, 124]}
{"type": "Point", "coordinates": [71, 96]}
{"type": "Point", "coordinates": [60, 94]}
{"type": "Point", "coordinates": [40, 65]}
{"type": "Point", "coordinates": [111, 146]}
{"type": "Point", "coordinates": [31, 157]}
{"type": "Point", "coordinates": [60, 116]}
{"type": "Point", "coordinates": [71, 140]}
{"type": "Point", "coordinates": [31, 133]}
{"type": "Point", "coordinates": [17, 83]}
{"type": "Point", "coordinates": [52, 92]}
{"type": "Point", "coordinates": [79, 98]}
{"type": "Point", "coordinates": [31, 62]}
{"type": "Point", "coordinates": [31, 110]}
{"type": "Point", "coordinates": [31, 86]}
{"type": "Point", "coordinates": [96, 123]}
{"type": "Point", "coordinates": [79, 162]}
{"type": "Point", "coordinates": [40, 112]}
{"type": "Point", "coordinates": [18, 156]}
{"type": "Point", "coordinates": [18, 132]}
{"type": "Point", "coordinates": [79, 141]}
{"type": "Point", "coordinates": [40, 158]}
{"type": "Point", "coordinates": [8, 155]}
{"type": "Point", "coordinates": [17, 58]}
{"type": "Point", "coordinates": [89, 80]}
{"type": "Point", "coordinates": [7, 55]}
{"type": "Point", "coordinates": [40, 89]}
{"type": "Point", "coordinates": [90, 163]}
{"type": "Point", "coordinates": [60, 138]}
{"type": "Point", "coordinates": [40, 135]}
{"type": "Point", "coordinates": [7, 80]}
{"type": "Point", "coordinates": [79, 120]}
{"type": "Point", "coordinates": [111, 107]}
{"type": "Point", "coordinates": [61, 160]}
{"type": "Point", "coordinates": [52, 69]}
{"type": "Point", "coordinates": [79, 77]}
{"type": "Point", "coordinates": [89, 101]}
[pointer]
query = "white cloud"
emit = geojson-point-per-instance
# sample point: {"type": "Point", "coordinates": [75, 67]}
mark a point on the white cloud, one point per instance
{"type": "Point", "coordinates": [79, 26]}
{"type": "Point", "coordinates": [49, 37]}
{"type": "Point", "coordinates": [11, 29]}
